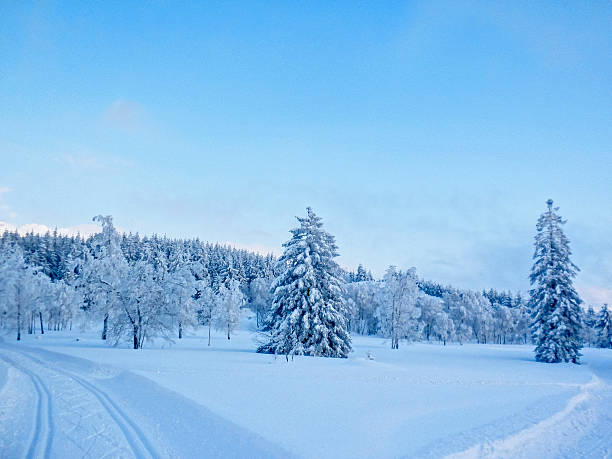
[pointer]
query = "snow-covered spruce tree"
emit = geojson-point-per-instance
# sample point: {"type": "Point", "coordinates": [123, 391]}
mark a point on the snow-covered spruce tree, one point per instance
{"type": "Point", "coordinates": [604, 328]}
{"type": "Point", "coordinates": [589, 332]}
{"type": "Point", "coordinates": [308, 311]}
{"type": "Point", "coordinates": [556, 324]}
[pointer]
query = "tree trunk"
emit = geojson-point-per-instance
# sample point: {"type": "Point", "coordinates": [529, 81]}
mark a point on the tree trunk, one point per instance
{"type": "Point", "coordinates": [209, 332]}
{"type": "Point", "coordinates": [19, 321]}
{"type": "Point", "coordinates": [42, 330]}
{"type": "Point", "coordinates": [105, 328]}
{"type": "Point", "coordinates": [135, 336]}
{"type": "Point", "coordinates": [228, 330]}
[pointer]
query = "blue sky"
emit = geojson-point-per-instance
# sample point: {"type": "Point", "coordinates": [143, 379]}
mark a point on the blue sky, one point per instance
{"type": "Point", "coordinates": [426, 134]}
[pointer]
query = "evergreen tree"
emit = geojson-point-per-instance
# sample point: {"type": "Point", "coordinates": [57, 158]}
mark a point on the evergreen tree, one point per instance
{"type": "Point", "coordinates": [556, 324]}
{"type": "Point", "coordinates": [589, 333]}
{"type": "Point", "coordinates": [361, 275]}
{"type": "Point", "coordinates": [604, 328]}
{"type": "Point", "coordinates": [308, 314]}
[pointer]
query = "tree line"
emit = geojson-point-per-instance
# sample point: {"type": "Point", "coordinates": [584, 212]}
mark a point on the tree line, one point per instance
{"type": "Point", "coordinates": [143, 288]}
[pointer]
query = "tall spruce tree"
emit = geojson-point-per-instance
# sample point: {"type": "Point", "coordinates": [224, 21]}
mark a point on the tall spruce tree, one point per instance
{"type": "Point", "coordinates": [556, 324]}
{"type": "Point", "coordinates": [308, 315]}
{"type": "Point", "coordinates": [604, 328]}
{"type": "Point", "coordinates": [589, 333]}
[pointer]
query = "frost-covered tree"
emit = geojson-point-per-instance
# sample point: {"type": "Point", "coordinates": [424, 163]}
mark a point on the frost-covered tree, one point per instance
{"type": "Point", "coordinates": [104, 272]}
{"type": "Point", "coordinates": [480, 315]}
{"type": "Point", "coordinates": [523, 320]}
{"type": "Point", "coordinates": [362, 303]}
{"type": "Point", "coordinates": [308, 314]}
{"type": "Point", "coordinates": [64, 306]}
{"type": "Point", "coordinates": [207, 305]}
{"type": "Point", "coordinates": [457, 310]}
{"type": "Point", "coordinates": [229, 301]}
{"type": "Point", "coordinates": [443, 327]}
{"type": "Point", "coordinates": [557, 321]}
{"type": "Point", "coordinates": [431, 308]}
{"type": "Point", "coordinates": [398, 312]}
{"type": "Point", "coordinates": [604, 328]}
{"type": "Point", "coordinates": [259, 293]}
{"type": "Point", "coordinates": [140, 312]}
{"type": "Point", "coordinates": [179, 288]}
{"type": "Point", "coordinates": [23, 291]}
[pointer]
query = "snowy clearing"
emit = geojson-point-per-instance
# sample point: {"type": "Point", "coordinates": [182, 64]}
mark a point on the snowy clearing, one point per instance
{"type": "Point", "coordinates": [423, 400]}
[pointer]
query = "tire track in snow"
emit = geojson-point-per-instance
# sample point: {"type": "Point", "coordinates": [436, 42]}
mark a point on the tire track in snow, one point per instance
{"type": "Point", "coordinates": [137, 440]}
{"type": "Point", "coordinates": [518, 444]}
{"type": "Point", "coordinates": [42, 435]}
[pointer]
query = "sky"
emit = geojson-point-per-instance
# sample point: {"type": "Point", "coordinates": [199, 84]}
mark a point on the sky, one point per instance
{"type": "Point", "coordinates": [426, 134]}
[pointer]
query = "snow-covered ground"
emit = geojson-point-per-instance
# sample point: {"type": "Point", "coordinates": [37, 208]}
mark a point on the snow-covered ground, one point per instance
{"type": "Point", "coordinates": [63, 397]}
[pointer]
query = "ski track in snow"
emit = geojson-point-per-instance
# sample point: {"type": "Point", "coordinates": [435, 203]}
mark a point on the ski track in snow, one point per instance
{"type": "Point", "coordinates": [82, 409]}
{"type": "Point", "coordinates": [42, 430]}
{"type": "Point", "coordinates": [140, 445]}
{"type": "Point", "coordinates": [43, 433]}
{"type": "Point", "coordinates": [558, 435]}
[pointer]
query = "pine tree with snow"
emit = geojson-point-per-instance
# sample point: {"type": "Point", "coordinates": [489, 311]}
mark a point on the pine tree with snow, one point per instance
{"type": "Point", "coordinates": [361, 275]}
{"type": "Point", "coordinates": [308, 313]}
{"type": "Point", "coordinates": [604, 328]}
{"type": "Point", "coordinates": [556, 325]}
{"type": "Point", "coordinates": [589, 332]}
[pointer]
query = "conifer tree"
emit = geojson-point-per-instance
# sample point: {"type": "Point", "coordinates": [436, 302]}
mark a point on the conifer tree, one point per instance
{"type": "Point", "coordinates": [308, 314]}
{"type": "Point", "coordinates": [556, 324]}
{"type": "Point", "coordinates": [604, 328]}
{"type": "Point", "coordinates": [589, 332]}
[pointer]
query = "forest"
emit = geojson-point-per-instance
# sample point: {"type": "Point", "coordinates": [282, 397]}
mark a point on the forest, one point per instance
{"type": "Point", "coordinates": [137, 289]}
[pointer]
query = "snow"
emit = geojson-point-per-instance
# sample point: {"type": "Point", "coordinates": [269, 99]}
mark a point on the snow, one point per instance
{"type": "Point", "coordinates": [422, 400]}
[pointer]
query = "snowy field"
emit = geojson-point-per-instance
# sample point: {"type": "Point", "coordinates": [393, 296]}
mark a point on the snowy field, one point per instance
{"type": "Point", "coordinates": [63, 397]}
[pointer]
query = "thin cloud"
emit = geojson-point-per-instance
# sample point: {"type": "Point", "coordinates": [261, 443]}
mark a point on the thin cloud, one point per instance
{"type": "Point", "coordinates": [87, 161]}
{"type": "Point", "coordinates": [96, 162]}
{"type": "Point", "coordinates": [126, 115]}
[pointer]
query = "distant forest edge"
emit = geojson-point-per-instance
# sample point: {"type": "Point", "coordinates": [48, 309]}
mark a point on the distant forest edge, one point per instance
{"type": "Point", "coordinates": [145, 288]}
